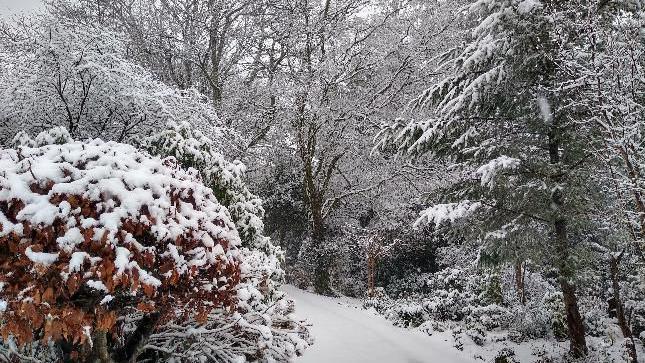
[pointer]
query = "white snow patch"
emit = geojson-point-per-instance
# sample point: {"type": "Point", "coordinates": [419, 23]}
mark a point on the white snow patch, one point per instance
{"type": "Point", "coordinates": [345, 332]}
{"type": "Point", "coordinates": [97, 285]}
{"type": "Point", "coordinates": [69, 241]}
{"type": "Point", "coordinates": [527, 6]}
{"type": "Point", "coordinates": [545, 109]}
{"type": "Point", "coordinates": [76, 261]}
{"type": "Point", "coordinates": [41, 258]}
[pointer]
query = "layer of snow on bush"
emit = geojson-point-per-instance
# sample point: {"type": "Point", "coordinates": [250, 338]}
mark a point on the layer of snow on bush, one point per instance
{"type": "Point", "coordinates": [121, 181]}
{"type": "Point", "coordinates": [41, 258]}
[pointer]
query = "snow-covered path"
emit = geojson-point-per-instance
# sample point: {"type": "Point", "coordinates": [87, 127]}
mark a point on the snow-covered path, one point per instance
{"type": "Point", "coordinates": [345, 333]}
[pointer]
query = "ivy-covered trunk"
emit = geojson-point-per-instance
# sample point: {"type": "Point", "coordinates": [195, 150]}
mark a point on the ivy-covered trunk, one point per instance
{"type": "Point", "coordinates": [322, 279]}
{"type": "Point", "coordinates": [614, 271]}
{"type": "Point", "coordinates": [101, 350]}
{"type": "Point", "coordinates": [371, 274]}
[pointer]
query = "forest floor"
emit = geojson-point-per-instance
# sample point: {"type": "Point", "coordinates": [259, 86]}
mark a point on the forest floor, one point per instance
{"type": "Point", "coordinates": [346, 333]}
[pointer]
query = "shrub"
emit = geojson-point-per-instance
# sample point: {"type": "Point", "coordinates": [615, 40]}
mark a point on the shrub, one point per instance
{"type": "Point", "coordinates": [492, 290]}
{"type": "Point", "coordinates": [506, 355]}
{"type": "Point", "coordinates": [450, 293]}
{"type": "Point", "coordinates": [597, 323]}
{"type": "Point", "coordinates": [477, 334]}
{"type": "Point", "coordinates": [530, 321]}
{"type": "Point", "coordinates": [93, 231]}
{"type": "Point", "coordinates": [555, 306]}
{"type": "Point", "coordinates": [195, 150]}
{"type": "Point", "coordinates": [261, 327]}
{"type": "Point", "coordinates": [489, 316]}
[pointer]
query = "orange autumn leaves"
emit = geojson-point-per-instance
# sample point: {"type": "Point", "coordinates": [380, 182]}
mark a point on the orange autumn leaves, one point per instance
{"type": "Point", "coordinates": [58, 302]}
{"type": "Point", "coordinates": [91, 283]}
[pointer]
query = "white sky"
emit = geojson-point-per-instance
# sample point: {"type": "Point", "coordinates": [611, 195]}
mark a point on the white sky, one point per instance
{"type": "Point", "coordinates": [9, 8]}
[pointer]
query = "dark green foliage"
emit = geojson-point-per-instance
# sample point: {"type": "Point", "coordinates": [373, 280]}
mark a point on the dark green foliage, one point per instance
{"type": "Point", "coordinates": [492, 290]}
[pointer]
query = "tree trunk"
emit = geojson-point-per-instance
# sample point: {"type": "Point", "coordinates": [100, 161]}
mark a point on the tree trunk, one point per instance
{"type": "Point", "coordinates": [138, 338]}
{"type": "Point", "coordinates": [577, 341]}
{"type": "Point", "coordinates": [575, 325]}
{"type": "Point", "coordinates": [614, 264]}
{"type": "Point", "coordinates": [519, 282]}
{"type": "Point", "coordinates": [101, 352]}
{"type": "Point", "coordinates": [371, 271]}
{"type": "Point", "coordinates": [634, 178]}
{"type": "Point", "coordinates": [322, 280]}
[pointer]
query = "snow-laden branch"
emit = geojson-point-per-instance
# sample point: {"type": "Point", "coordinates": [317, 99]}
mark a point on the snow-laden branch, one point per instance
{"type": "Point", "coordinates": [489, 171]}
{"type": "Point", "coordinates": [330, 203]}
{"type": "Point", "coordinates": [448, 212]}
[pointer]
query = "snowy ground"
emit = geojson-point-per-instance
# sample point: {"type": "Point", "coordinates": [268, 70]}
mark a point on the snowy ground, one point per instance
{"type": "Point", "coordinates": [346, 333]}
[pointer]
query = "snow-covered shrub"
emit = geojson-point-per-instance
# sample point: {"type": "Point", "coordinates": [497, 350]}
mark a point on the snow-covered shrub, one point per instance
{"type": "Point", "coordinates": [261, 329]}
{"type": "Point", "coordinates": [464, 299]}
{"type": "Point", "coordinates": [597, 322]}
{"type": "Point", "coordinates": [349, 267]}
{"type": "Point", "coordinates": [451, 292]}
{"type": "Point", "coordinates": [506, 355]}
{"type": "Point", "coordinates": [458, 335]}
{"type": "Point", "coordinates": [554, 304]}
{"type": "Point", "coordinates": [530, 321]}
{"type": "Point", "coordinates": [259, 297]}
{"type": "Point", "coordinates": [477, 333]}
{"type": "Point", "coordinates": [405, 312]}
{"type": "Point", "coordinates": [405, 286]}
{"type": "Point", "coordinates": [327, 252]}
{"type": "Point", "coordinates": [30, 352]}
{"type": "Point", "coordinates": [91, 232]}
{"type": "Point", "coordinates": [491, 316]}
{"type": "Point", "coordinates": [634, 293]}
{"type": "Point", "coordinates": [254, 323]}
{"type": "Point", "coordinates": [492, 289]}
{"type": "Point", "coordinates": [638, 323]}
{"type": "Point", "coordinates": [447, 295]}
{"type": "Point", "coordinates": [408, 313]}
{"type": "Point", "coordinates": [54, 136]}
{"type": "Point", "coordinates": [195, 150]}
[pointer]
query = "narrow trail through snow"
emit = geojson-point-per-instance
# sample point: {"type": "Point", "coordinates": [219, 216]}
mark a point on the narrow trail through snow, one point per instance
{"type": "Point", "coordinates": [345, 333]}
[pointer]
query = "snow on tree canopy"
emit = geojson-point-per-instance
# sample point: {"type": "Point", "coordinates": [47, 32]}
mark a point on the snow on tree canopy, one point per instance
{"type": "Point", "coordinates": [90, 231]}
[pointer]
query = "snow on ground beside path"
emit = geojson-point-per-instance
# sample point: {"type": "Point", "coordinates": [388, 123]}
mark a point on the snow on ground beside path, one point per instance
{"type": "Point", "coordinates": [344, 332]}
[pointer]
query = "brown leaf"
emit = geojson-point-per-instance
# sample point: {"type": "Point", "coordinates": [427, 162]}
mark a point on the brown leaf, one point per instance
{"type": "Point", "coordinates": [105, 321]}
{"type": "Point", "coordinates": [149, 290]}
{"type": "Point", "coordinates": [73, 282]}
{"type": "Point", "coordinates": [48, 295]}
{"type": "Point", "coordinates": [146, 307]}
